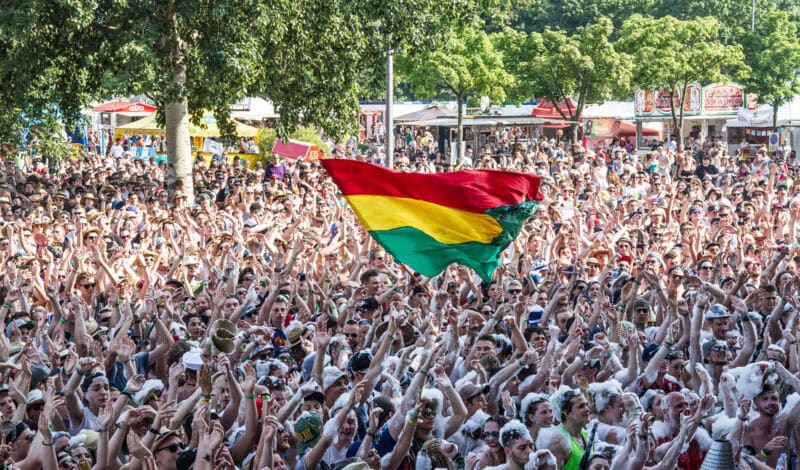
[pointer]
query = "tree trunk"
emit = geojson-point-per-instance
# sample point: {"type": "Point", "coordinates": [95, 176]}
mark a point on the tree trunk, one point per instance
{"type": "Point", "coordinates": [775, 117]}
{"type": "Point", "coordinates": [176, 117]}
{"type": "Point", "coordinates": [179, 149]}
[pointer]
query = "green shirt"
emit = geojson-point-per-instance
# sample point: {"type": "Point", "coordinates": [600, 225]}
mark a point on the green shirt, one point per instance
{"type": "Point", "coordinates": [576, 449]}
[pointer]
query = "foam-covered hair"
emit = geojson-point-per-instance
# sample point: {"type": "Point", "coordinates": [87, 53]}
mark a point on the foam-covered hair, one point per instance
{"type": "Point", "coordinates": [552, 438]}
{"type": "Point", "coordinates": [475, 422]}
{"type": "Point", "coordinates": [750, 379]}
{"type": "Point", "coordinates": [513, 430]}
{"type": "Point", "coordinates": [541, 459]}
{"type": "Point", "coordinates": [560, 398]}
{"type": "Point", "coordinates": [148, 387]}
{"type": "Point", "coordinates": [601, 393]}
{"type": "Point", "coordinates": [529, 400]}
{"type": "Point", "coordinates": [436, 398]}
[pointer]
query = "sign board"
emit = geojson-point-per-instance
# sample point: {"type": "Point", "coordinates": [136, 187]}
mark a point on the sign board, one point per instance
{"type": "Point", "coordinates": [657, 102]}
{"type": "Point", "coordinates": [723, 98]}
{"type": "Point", "coordinates": [774, 139]}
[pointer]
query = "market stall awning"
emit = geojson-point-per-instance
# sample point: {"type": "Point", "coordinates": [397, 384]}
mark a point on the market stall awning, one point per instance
{"type": "Point", "coordinates": [546, 110]}
{"type": "Point", "coordinates": [433, 112]}
{"type": "Point", "coordinates": [492, 121]}
{"type": "Point", "coordinates": [149, 126]}
{"type": "Point", "coordinates": [128, 108]}
{"type": "Point", "coordinates": [297, 150]}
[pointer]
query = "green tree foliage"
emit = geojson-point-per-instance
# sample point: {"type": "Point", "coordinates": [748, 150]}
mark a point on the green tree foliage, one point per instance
{"type": "Point", "coordinates": [773, 53]}
{"type": "Point", "coordinates": [189, 56]}
{"type": "Point", "coordinates": [465, 66]}
{"type": "Point", "coordinates": [670, 54]}
{"type": "Point", "coordinates": [553, 65]}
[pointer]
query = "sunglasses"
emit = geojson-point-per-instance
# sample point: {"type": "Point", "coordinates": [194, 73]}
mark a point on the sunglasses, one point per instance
{"type": "Point", "coordinates": [515, 291]}
{"type": "Point", "coordinates": [173, 448]}
{"type": "Point", "coordinates": [427, 414]}
{"type": "Point", "coordinates": [36, 406]}
{"type": "Point", "coordinates": [88, 286]}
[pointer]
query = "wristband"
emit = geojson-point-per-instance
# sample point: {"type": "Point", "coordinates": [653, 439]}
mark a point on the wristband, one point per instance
{"type": "Point", "coordinates": [62, 321]}
{"type": "Point", "coordinates": [643, 436]}
{"type": "Point", "coordinates": [250, 397]}
{"type": "Point", "coordinates": [7, 305]}
{"type": "Point", "coordinates": [371, 432]}
{"type": "Point", "coordinates": [47, 444]}
{"type": "Point", "coordinates": [127, 394]}
{"type": "Point", "coordinates": [765, 452]}
{"type": "Point", "coordinates": [152, 430]}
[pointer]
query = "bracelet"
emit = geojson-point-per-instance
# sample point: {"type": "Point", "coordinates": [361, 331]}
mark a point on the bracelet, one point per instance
{"type": "Point", "coordinates": [371, 433]}
{"type": "Point", "coordinates": [611, 352]}
{"type": "Point", "coordinates": [47, 444]}
{"type": "Point", "coordinates": [250, 397]}
{"type": "Point", "coordinates": [80, 371]}
{"type": "Point", "coordinates": [7, 305]}
{"type": "Point", "coordinates": [127, 394]}
{"type": "Point", "coordinates": [765, 452]}
{"type": "Point", "coordinates": [152, 430]}
{"type": "Point", "coordinates": [62, 321]}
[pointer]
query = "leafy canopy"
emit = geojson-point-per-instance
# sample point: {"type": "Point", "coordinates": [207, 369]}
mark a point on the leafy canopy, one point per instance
{"type": "Point", "coordinates": [554, 65]}
{"type": "Point", "coordinates": [773, 53]}
{"type": "Point", "coordinates": [670, 53]}
{"type": "Point", "coordinates": [466, 65]}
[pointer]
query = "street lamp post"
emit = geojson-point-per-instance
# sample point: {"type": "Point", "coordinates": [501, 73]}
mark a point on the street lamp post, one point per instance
{"type": "Point", "coordinates": [753, 17]}
{"type": "Point", "coordinates": [390, 106]}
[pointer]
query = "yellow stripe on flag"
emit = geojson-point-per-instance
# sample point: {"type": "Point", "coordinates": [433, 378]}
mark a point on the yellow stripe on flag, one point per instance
{"type": "Point", "coordinates": [444, 224]}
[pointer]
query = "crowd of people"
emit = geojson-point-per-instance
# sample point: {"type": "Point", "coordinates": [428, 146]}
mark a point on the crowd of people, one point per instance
{"type": "Point", "coordinates": [646, 317]}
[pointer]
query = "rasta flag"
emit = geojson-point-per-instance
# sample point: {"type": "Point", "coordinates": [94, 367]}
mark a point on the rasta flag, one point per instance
{"type": "Point", "coordinates": [428, 221]}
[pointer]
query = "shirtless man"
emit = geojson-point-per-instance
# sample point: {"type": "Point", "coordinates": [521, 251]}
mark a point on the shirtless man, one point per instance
{"type": "Point", "coordinates": [766, 435]}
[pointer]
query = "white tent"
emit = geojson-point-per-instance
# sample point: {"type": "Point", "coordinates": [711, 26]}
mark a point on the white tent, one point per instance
{"type": "Point", "coordinates": [788, 115]}
{"type": "Point", "coordinates": [253, 109]}
{"type": "Point", "coordinates": [610, 109]}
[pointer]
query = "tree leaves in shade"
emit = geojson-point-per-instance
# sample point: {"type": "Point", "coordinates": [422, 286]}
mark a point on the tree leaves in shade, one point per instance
{"type": "Point", "coordinates": [669, 53]}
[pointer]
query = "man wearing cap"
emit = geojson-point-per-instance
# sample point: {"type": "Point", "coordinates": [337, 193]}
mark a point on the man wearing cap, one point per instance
{"type": "Point", "coordinates": [95, 393]}
{"type": "Point", "coordinates": [474, 397]}
{"type": "Point", "coordinates": [641, 313]}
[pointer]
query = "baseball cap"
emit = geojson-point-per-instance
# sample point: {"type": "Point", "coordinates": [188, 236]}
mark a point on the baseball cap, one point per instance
{"type": "Point", "coordinates": [535, 315]}
{"type": "Point", "coordinates": [469, 390]}
{"type": "Point", "coordinates": [717, 311]}
{"type": "Point", "coordinates": [307, 431]}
